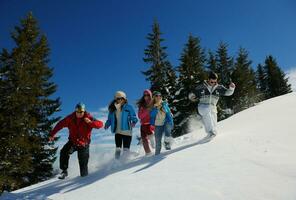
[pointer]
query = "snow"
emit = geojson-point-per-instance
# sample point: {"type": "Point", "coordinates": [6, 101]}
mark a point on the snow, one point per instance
{"type": "Point", "coordinates": [252, 157]}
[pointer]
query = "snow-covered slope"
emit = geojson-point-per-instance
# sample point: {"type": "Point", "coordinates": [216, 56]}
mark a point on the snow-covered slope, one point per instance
{"type": "Point", "coordinates": [252, 158]}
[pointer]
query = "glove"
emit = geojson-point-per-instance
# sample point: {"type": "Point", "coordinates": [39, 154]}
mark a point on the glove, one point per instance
{"type": "Point", "coordinates": [232, 85]}
{"type": "Point", "coordinates": [192, 97]}
{"type": "Point", "coordinates": [87, 120]}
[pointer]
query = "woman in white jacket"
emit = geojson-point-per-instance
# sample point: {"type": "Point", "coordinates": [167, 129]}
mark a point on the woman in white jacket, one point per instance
{"type": "Point", "coordinates": [208, 94]}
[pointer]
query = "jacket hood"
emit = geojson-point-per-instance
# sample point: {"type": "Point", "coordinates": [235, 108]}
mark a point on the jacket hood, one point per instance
{"type": "Point", "coordinates": [147, 91]}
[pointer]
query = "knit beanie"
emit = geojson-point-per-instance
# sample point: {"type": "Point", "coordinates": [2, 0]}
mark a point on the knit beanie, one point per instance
{"type": "Point", "coordinates": [156, 93]}
{"type": "Point", "coordinates": [148, 92]}
{"type": "Point", "coordinates": [120, 94]}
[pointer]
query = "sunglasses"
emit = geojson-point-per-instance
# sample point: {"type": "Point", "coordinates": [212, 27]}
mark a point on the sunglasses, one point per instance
{"type": "Point", "coordinates": [117, 99]}
{"type": "Point", "coordinates": [146, 95]}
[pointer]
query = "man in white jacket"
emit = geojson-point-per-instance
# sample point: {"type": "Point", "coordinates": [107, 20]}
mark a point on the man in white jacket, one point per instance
{"type": "Point", "coordinates": [208, 94]}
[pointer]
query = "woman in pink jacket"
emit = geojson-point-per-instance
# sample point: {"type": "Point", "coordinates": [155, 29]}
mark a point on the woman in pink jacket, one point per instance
{"type": "Point", "coordinates": [147, 131]}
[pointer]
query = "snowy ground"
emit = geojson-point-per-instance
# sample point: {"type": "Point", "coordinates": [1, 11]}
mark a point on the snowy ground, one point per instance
{"type": "Point", "coordinates": [252, 158]}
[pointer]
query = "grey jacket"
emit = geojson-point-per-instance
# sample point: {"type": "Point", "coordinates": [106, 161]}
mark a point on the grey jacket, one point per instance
{"type": "Point", "coordinates": [210, 95]}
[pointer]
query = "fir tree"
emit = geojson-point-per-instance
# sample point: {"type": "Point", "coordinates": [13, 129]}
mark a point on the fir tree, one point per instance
{"type": "Point", "coordinates": [277, 82]}
{"type": "Point", "coordinates": [170, 85]}
{"type": "Point", "coordinates": [5, 159]}
{"type": "Point", "coordinates": [191, 73]}
{"type": "Point", "coordinates": [212, 63]}
{"type": "Point", "coordinates": [224, 70]}
{"type": "Point", "coordinates": [243, 75]}
{"type": "Point", "coordinates": [261, 82]}
{"type": "Point", "coordinates": [28, 107]}
{"type": "Point", "coordinates": [160, 74]}
{"type": "Point", "coordinates": [224, 64]}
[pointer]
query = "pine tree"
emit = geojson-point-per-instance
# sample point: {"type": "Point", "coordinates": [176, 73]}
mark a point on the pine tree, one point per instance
{"type": "Point", "coordinates": [191, 73]}
{"type": "Point", "coordinates": [277, 83]}
{"type": "Point", "coordinates": [261, 82]}
{"type": "Point", "coordinates": [6, 158]}
{"type": "Point", "coordinates": [171, 85]}
{"type": "Point", "coordinates": [212, 63]}
{"type": "Point", "coordinates": [224, 70]}
{"type": "Point", "coordinates": [246, 94]}
{"type": "Point", "coordinates": [224, 64]}
{"type": "Point", "coordinates": [160, 74]}
{"type": "Point", "coordinates": [28, 107]}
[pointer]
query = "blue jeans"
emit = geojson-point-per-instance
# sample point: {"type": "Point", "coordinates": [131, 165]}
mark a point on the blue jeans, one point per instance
{"type": "Point", "coordinates": [159, 130]}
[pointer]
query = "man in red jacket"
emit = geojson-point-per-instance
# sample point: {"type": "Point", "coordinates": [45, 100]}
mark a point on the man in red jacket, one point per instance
{"type": "Point", "coordinates": [80, 123]}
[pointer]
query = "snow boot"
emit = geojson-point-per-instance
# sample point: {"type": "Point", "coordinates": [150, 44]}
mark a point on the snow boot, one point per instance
{"type": "Point", "coordinates": [167, 145]}
{"type": "Point", "coordinates": [63, 175]}
{"type": "Point", "coordinates": [212, 134]}
{"type": "Point", "coordinates": [117, 153]}
{"type": "Point", "coordinates": [125, 154]}
{"type": "Point", "coordinates": [167, 142]}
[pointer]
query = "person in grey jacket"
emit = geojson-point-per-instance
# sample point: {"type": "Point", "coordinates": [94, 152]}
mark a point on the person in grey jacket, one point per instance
{"type": "Point", "coordinates": [208, 94]}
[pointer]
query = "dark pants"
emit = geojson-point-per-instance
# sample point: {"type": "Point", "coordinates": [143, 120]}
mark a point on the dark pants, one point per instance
{"type": "Point", "coordinates": [120, 140]}
{"type": "Point", "coordinates": [83, 156]}
{"type": "Point", "coordinates": [124, 140]}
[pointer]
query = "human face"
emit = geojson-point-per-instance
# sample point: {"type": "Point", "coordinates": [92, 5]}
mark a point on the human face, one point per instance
{"type": "Point", "coordinates": [147, 97]}
{"type": "Point", "coordinates": [79, 114]}
{"type": "Point", "coordinates": [157, 98]}
{"type": "Point", "coordinates": [212, 82]}
{"type": "Point", "coordinates": [119, 100]}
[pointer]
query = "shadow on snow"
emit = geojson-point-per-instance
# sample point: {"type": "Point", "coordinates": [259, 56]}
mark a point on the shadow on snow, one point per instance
{"type": "Point", "coordinates": [67, 185]}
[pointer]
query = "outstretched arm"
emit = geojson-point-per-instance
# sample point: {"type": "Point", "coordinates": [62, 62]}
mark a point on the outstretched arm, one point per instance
{"type": "Point", "coordinates": [194, 95]}
{"type": "Point", "coordinates": [229, 91]}
{"type": "Point", "coordinates": [62, 124]}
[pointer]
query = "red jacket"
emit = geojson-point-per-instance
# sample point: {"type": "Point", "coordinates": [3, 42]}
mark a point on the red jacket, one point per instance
{"type": "Point", "coordinates": [79, 130]}
{"type": "Point", "coordinates": [144, 115]}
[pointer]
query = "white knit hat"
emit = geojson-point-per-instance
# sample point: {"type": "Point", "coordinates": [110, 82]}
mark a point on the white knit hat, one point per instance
{"type": "Point", "coordinates": [120, 94]}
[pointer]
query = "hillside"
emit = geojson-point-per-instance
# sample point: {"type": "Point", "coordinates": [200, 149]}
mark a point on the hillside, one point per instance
{"type": "Point", "coordinates": [252, 158]}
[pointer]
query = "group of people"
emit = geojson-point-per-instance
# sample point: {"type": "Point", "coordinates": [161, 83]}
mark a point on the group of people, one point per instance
{"type": "Point", "coordinates": [155, 117]}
